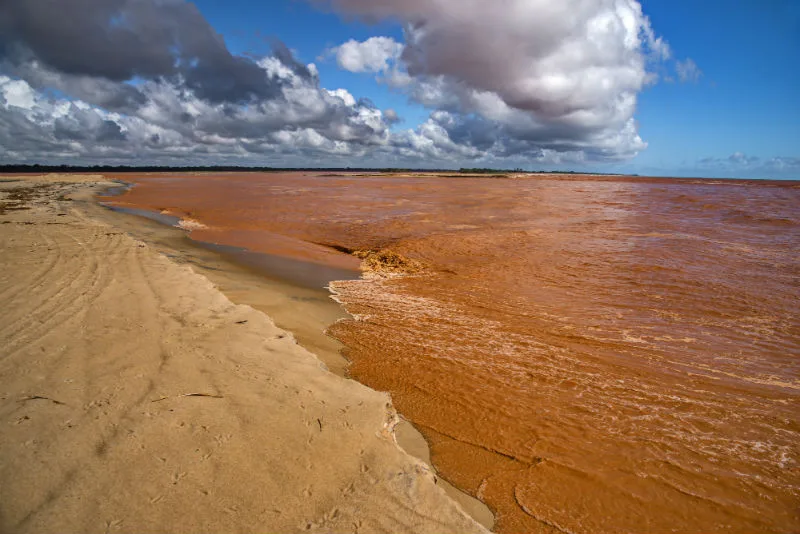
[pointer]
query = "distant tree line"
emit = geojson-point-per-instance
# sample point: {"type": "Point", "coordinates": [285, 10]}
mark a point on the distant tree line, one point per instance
{"type": "Point", "coordinates": [490, 171]}
{"type": "Point", "coordinates": [38, 169]}
{"type": "Point", "coordinates": [523, 171]}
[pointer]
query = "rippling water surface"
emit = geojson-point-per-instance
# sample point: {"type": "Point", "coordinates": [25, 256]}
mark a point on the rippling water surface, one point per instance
{"type": "Point", "coordinates": [583, 354]}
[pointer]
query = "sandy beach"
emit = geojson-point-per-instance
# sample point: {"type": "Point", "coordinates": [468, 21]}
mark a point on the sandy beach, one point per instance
{"type": "Point", "coordinates": [136, 397]}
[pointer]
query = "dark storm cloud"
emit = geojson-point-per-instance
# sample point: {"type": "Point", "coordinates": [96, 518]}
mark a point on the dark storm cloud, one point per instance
{"type": "Point", "coordinates": [101, 131]}
{"type": "Point", "coordinates": [112, 78]}
{"type": "Point", "coordinates": [121, 40]}
{"type": "Point", "coordinates": [109, 132]}
{"type": "Point", "coordinates": [108, 94]}
{"type": "Point", "coordinates": [65, 129]}
{"type": "Point", "coordinates": [285, 56]}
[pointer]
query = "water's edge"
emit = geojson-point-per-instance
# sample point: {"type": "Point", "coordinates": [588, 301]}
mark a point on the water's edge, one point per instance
{"type": "Point", "coordinates": [271, 284]}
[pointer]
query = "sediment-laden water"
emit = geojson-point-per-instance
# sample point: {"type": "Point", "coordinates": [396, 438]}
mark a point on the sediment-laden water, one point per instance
{"type": "Point", "coordinates": [584, 354]}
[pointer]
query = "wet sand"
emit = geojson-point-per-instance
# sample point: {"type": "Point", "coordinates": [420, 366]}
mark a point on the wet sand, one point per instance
{"type": "Point", "coordinates": [136, 397]}
{"type": "Point", "coordinates": [585, 354]}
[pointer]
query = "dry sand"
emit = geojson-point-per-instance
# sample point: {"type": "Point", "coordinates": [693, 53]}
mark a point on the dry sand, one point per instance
{"type": "Point", "coordinates": [135, 397]}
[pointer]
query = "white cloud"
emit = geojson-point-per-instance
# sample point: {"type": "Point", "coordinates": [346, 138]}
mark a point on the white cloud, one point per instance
{"type": "Point", "coordinates": [741, 165]}
{"type": "Point", "coordinates": [506, 82]}
{"type": "Point", "coordinates": [741, 158]}
{"type": "Point", "coordinates": [372, 55]}
{"type": "Point", "coordinates": [558, 76]}
{"type": "Point", "coordinates": [175, 124]}
{"type": "Point", "coordinates": [688, 71]}
{"type": "Point", "coordinates": [17, 93]}
{"type": "Point", "coordinates": [348, 99]}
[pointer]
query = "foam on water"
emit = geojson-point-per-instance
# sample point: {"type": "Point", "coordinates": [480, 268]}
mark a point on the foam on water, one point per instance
{"type": "Point", "coordinates": [583, 354]}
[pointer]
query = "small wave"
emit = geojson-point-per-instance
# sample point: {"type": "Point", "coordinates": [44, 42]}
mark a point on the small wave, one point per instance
{"type": "Point", "coordinates": [387, 263]}
{"type": "Point", "coordinates": [743, 217]}
{"type": "Point", "coordinates": [191, 224]}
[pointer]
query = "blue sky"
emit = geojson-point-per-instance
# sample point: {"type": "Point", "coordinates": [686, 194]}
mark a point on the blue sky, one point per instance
{"type": "Point", "coordinates": [248, 26]}
{"type": "Point", "coordinates": [484, 87]}
{"type": "Point", "coordinates": [747, 99]}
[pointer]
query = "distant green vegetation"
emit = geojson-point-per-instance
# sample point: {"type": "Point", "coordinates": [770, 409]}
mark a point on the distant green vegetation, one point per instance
{"type": "Point", "coordinates": [489, 171]}
{"type": "Point", "coordinates": [39, 169]}
{"type": "Point", "coordinates": [523, 171]}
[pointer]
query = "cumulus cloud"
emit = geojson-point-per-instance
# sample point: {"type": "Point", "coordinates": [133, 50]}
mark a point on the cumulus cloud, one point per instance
{"type": "Point", "coordinates": [174, 125]}
{"type": "Point", "coordinates": [688, 71]}
{"type": "Point", "coordinates": [540, 75]}
{"type": "Point", "coordinates": [372, 55]}
{"type": "Point", "coordinates": [151, 81]}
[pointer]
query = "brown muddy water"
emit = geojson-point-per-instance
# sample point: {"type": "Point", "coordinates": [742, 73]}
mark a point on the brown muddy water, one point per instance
{"type": "Point", "coordinates": [584, 354]}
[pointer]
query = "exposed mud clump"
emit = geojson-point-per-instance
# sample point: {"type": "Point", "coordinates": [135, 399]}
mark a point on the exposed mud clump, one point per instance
{"type": "Point", "coordinates": [19, 198]}
{"type": "Point", "coordinates": [386, 262]}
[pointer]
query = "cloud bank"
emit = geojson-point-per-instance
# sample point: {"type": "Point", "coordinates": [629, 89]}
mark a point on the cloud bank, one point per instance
{"type": "Point", "coordinates": [742, 165]}
{"type": "Point", "coordinates": [523, 77]}
{"type": "Point", "coordinates": [150, 81]}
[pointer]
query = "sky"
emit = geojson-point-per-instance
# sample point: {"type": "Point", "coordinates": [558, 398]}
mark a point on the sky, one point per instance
{"type": "Point", "coordinates": [651, 87]}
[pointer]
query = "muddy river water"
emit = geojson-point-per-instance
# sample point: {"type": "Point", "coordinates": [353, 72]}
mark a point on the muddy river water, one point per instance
{"type": "Point", "coordinates": [584, 354]}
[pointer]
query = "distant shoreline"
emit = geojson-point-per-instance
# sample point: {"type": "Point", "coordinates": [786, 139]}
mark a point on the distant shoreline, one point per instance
{"type": "Point", "coordinates": [108, 169]}
{"type": "Point", "coordinates": [28, 170]}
